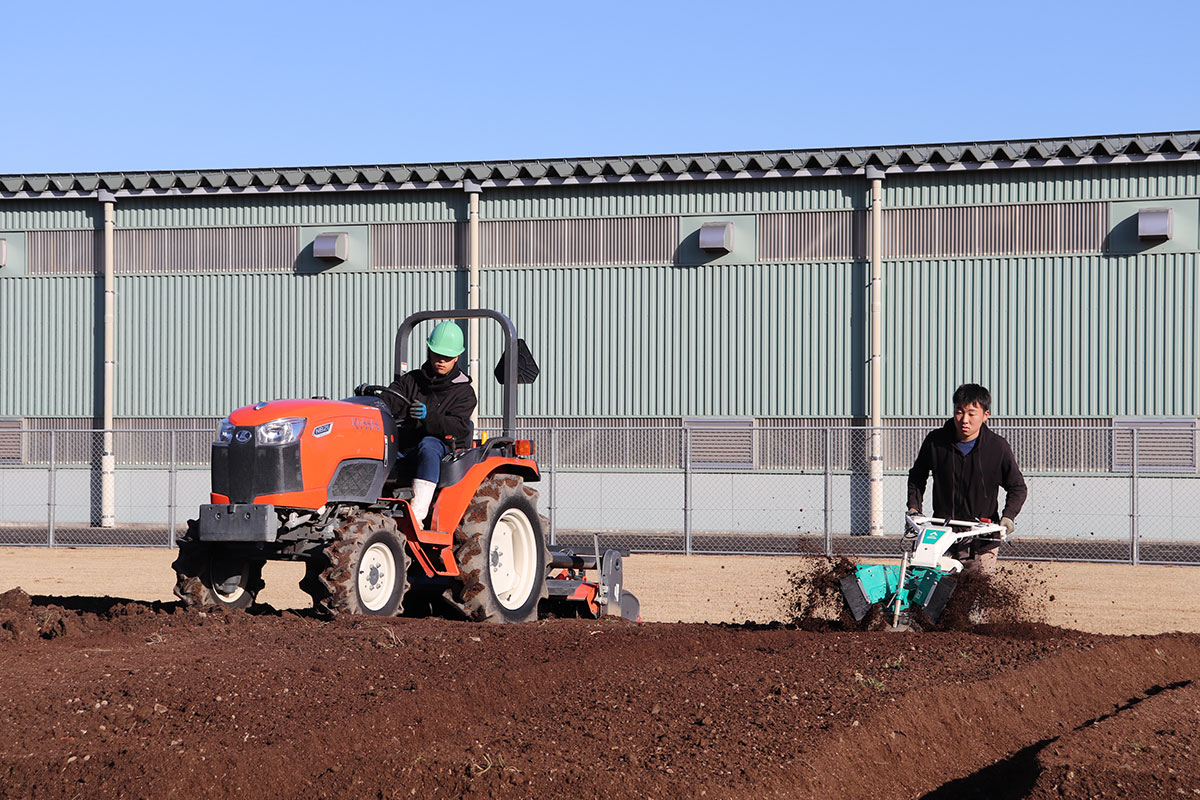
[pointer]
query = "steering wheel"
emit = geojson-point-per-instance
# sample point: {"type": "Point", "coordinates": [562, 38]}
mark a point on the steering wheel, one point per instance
{"type": "Point", "coordinates": [376, 390]}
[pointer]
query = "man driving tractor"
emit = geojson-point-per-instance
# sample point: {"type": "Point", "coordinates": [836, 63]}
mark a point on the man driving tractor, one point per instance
{"type": "Point", "coordinates": [437, 417]}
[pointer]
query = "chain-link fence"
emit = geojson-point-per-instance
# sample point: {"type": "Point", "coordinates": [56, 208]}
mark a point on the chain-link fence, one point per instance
{"type": "Point", "coordinates": [1096, 493]}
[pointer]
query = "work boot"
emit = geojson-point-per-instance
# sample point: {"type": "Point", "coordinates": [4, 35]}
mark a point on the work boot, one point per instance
{"type": "Point", "coordinates": [422, 497]}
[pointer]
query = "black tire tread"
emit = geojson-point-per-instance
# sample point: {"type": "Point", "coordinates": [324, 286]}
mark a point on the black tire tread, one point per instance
{"type": "Point", "coordinates": [471, 591]}
{"type": "Point", "coordinates": [331, 576]}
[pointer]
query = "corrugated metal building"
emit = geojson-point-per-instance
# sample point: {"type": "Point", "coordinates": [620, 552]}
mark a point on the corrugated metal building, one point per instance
{"type": "Point", "coordinates": [1017, 264]}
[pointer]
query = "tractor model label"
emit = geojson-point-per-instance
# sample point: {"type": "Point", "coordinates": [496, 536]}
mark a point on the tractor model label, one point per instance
{"type": "Point", "coordinates": [365, 424]}
{"type": "Point", "coordinates": [322, 430]}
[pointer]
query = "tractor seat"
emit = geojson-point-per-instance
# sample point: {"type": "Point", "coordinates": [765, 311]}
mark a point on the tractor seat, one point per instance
{"type": "Point", "coordinates": [455, 465]}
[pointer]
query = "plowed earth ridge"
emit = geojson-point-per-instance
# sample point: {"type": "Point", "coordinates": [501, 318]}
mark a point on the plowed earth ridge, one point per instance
{"type": "Point", "coordinates": [103, 698]}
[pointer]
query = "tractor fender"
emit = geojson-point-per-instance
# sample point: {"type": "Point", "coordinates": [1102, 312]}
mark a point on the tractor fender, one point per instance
{"type": "Point", "coordinates": [453, 500]}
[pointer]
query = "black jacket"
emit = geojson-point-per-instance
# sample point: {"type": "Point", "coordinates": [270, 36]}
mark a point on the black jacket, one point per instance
{"type": "Point", "coordinates": [967, 487]}
{"type": "Point", "coordinates": [449, 399]}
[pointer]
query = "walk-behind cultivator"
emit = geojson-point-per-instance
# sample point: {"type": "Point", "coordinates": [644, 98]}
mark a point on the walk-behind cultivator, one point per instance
{"type": "Point", "coordinates": [924, 580]}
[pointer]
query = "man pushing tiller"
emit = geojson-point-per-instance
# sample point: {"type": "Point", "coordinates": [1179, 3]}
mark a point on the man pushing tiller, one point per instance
{"type": "Point", "coordinates": [969, 464]}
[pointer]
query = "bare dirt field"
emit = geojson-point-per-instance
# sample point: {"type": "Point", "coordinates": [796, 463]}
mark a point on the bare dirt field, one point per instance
{"type": "Point", "coordinates": [109, 690]}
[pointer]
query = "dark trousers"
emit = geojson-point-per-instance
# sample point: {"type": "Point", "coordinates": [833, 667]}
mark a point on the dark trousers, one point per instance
{"type": "Point", "coordinates": [424, 462]}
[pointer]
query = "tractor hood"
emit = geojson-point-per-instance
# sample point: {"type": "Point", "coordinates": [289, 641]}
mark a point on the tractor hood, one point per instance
{"type": "Point", "coordinates": [315, 411]}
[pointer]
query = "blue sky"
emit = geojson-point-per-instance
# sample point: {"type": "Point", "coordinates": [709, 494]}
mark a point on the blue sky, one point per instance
{"type": "Point", "coordinates": [138, 86]}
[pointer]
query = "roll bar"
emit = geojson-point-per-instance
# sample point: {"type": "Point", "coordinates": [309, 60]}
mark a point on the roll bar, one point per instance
{"type": "Point", "coordinates": [509, 402]}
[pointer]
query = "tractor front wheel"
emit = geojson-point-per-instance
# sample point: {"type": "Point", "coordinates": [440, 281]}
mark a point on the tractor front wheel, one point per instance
{"type": "Point", "coordinates": [206, 575]}
{"type": "Point", "coordinates": [364, 570]}
{"type": "Point", "coordinates": [501, 553]}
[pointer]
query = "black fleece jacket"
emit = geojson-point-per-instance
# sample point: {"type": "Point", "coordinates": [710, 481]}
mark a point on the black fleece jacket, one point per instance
{"type": "Point", "coordinates": [967, 487]}
{"type": "Point", "coordinates": [449, 398]}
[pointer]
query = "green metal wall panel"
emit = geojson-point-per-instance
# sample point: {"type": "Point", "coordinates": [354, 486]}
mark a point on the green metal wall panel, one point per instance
{"type": "Point", "coordinates": [1069, 336]}
{"type": "Point", "coordinates": [49, 215]}
{"type": "Point", "coordinates": [663, 341]}
{"type": "Point", "coordinates": [47, 347]}
{"type": "Point", "coordinates": [309, 208]}
{"type": "Point", "coordinates": [674, 197]}
{"type": "Point", "coordinates": [1048, 185]}
{"type": "Point", "coordinates": [202, 345]}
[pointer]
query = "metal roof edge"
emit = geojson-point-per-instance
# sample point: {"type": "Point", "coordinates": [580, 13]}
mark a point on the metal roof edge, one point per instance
{"type": "Point", "coordinates": [825, 162]}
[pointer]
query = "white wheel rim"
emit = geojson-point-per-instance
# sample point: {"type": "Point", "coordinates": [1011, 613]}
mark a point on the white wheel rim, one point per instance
{"type": "Point", "coordinates": [376, 576]}
{"type": "Point", "coordinates": [230, 597]}
{"type": "Point", "coordinates": [512, 560]}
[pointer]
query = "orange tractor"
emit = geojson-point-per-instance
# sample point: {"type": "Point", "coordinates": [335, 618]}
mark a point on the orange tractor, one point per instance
{"type": "Point", "coordinates": [317, 481]}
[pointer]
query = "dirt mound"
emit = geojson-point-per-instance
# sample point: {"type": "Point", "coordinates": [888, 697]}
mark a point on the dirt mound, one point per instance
{"type": "Point", "coordinates": [142, 699]}
{"type": "Point", "coordinates": [21, 619]}
{"type": "Point", "coordinates": [1145, 748]}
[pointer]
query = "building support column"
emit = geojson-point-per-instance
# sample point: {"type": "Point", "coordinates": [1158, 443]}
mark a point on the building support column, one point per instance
{"type": "Point", "coordinates": [875, 176]}
{"type": "Point", "coordinates": [473, 191]}
{"type": "Point", "coordinates": [108, 461]}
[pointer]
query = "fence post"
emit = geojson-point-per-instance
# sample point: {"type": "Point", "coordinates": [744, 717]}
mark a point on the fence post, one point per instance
{"type": "Point", "coordinates": [1134, 555]}
{"type": "Point", "coordinates": [172, 498]}
{"type": "Point", "coordinates": [52, 498]}
{"type": "Point", "coordinates": [553, 509]}
{"type": "Point", "coordinates": [687, 491]}
{"type": "Point", "coordinates": [828, 494]}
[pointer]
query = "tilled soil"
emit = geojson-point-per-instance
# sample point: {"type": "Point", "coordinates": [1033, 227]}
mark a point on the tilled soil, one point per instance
{"type": "Point", "coordinates": [104, 698]}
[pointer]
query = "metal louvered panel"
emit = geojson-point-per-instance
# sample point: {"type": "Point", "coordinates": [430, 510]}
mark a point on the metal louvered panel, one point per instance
{"type": "Point", "coordinates": [63, 252]}
{"type": "Point", "coordinates": [813, 236]}
{"type": "Point", "coordinates": [12, 444]}
{"type": "Point", "coordinates": [720, 443]}
{"type": "Point", "coordinates": [588, 443]}
{"type": "Point", "coordinates": [418, 244]}
{"type": "Point", "coordinates": [994, 230]}
{"type": "Point", "coordinates": [1163, 445]}
{"type": "Point", "coordinates": [142, 441]}
{"type": "Point", "coordinates": [580, 242]}
{"type": "Point", "coordinates": [192, 250]}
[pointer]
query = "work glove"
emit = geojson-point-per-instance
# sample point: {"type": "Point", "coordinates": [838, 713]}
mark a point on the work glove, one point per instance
{"type": "Point", "coordinates": [1007, 524]}
{"type": "Point", "coordinates": [418, 411]}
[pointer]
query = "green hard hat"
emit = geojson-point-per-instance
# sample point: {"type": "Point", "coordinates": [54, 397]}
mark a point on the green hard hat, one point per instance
{"type": "Point", "coordinates": [446, 339]}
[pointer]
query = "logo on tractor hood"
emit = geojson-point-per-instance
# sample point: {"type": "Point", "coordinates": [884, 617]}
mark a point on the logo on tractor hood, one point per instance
{"type": "Point", "coordinates": [322, 430]}
{"type": "Point", "coordinates": [243, 436]}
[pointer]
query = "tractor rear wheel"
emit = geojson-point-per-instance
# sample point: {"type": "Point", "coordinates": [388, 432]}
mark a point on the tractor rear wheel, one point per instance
{"type": "Point", "coordinates": [206, 575]}
{"type": "Point", "coordinates": [501, 553]}
{"type": "Point", "coordinates": [364, 570]}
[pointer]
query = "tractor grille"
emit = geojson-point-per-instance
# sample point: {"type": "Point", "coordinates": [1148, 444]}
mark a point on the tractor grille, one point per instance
{"type": "Point", "coordinates": [353, 479]}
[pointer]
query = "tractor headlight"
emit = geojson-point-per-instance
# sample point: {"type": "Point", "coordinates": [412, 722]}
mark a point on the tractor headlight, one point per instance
{"type": "Point", "coordinates": [280, 431]}
{"type": "Point", "coordinates": [225, 431]}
